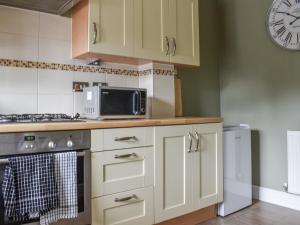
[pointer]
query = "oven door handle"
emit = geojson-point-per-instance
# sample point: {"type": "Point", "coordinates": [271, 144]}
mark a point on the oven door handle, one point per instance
{"type": "Point", "coordinates": [6, 160]}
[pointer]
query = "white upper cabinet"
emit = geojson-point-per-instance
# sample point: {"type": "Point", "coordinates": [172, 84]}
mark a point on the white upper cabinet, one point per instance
{"type": "Point", "coordinates": [150, 29]}
{"type": "Point", "coordinates": [130, 30]}
{"type": "Point", "coordinates": [111, 27]}
{"type": "Point", "coordinates": [184, 32]}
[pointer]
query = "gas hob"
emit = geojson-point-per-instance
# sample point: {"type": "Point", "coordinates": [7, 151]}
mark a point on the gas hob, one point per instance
{"type": "Point", "coordinates": [38, 118]}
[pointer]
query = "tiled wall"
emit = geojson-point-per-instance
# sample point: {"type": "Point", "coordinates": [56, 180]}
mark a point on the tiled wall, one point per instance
{"type": "Point", "coordinates": [43, 38]}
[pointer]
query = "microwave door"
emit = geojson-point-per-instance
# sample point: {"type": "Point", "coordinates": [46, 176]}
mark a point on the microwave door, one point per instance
{"type": "Point", "coordinates": [115, 102]}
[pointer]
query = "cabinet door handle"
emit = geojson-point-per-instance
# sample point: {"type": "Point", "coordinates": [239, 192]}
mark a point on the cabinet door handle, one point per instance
{"type": "Point", "coordinates": [198, 142]}
{"type": "Point", "coordinates": [95, 33]}
{"type": "Point", "coordinates": [131, 138]}
{"type": "Point", "coordinates": [168, 45]}
{"type": "Point", "coordinates": [174, 46]}
{"type": "Point", "coordinates": [126, 198]}
{"type": "Point", "coordinates": [126, 156]}
{"type": "Point", "coordinates": [191, 142]}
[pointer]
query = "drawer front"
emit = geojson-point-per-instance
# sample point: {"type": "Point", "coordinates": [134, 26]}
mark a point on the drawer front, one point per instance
{"type": "Point", "coordinates": [127, 138]}
{"type": "Point", "coordinates": [122, 170]}
{"type": "Point", "coordinates": [128, 208]}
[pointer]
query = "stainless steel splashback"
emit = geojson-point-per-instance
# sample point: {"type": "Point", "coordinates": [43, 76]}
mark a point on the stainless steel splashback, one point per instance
{"type": "Point", "coordinates": [48, 6]}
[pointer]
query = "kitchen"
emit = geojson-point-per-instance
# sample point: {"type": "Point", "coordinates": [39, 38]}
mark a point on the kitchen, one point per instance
{"type": "Point", "coordinates": [158, 168]}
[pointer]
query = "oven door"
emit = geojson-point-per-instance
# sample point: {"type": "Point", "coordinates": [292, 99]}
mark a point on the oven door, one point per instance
{"type": "Point", "coordinates": [120, 103]}
{"type": "Point", "coordinates": [84, 193]}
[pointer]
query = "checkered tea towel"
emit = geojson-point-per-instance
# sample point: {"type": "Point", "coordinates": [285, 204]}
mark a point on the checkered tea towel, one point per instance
{"type": "Point", "coordinates": [29, 186]}
{"type": "Point", "coordinates": [66, 178]}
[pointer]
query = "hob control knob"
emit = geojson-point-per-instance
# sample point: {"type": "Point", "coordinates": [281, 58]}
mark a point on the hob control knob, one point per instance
{"type": "Point", "coordinates": [51, 145]}
{"type": "Point", "coordinates": [70, 144]}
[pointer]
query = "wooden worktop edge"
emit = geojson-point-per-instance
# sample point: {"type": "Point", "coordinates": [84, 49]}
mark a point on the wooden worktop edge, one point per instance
{"type": "Point", "coordinates": [89, 125]}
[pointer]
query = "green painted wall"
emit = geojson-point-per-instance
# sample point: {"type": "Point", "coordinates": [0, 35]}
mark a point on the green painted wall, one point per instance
{"type": "Point", "coordinates": [260, 85]}
{"type": "Point", "coordinates": [200, 86]}
{"type": "Point", "coordinates": [258, 82]}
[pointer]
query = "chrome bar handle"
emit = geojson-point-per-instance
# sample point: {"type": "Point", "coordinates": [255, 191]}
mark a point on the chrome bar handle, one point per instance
{"type": "Point", "coordinates": [198, 142]}
{"type": "Point", "coordinates": [191, 142]}
{"type": "Point", "coordinates": [126, 198]}
{"type": "Point", "coordinates": [95, 33]}
{"type": "Point", "coordinates": [126, 156]}
{"type": "Point", "coordinates": [174, 46]}
{"type": "Point", "coordinates": [168, 45]}
{"type": "Point", "coordinates": [131, 138]}
{"type": "Point", "coordinates": [6, 160]}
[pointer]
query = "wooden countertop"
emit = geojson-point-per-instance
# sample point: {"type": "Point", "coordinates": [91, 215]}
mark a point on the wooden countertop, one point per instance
{"type": "Point", "coordinates": [91, 124]}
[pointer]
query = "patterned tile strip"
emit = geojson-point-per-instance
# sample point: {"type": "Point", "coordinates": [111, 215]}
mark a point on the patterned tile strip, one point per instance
{"type": "Point", "coordinates": [81, 68]}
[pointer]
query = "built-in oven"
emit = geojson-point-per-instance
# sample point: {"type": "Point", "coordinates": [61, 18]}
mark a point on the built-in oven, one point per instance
{"type": "Point", "coordinates": [114, 103]}
{"type": "Point", "coordinates": [45, 142]}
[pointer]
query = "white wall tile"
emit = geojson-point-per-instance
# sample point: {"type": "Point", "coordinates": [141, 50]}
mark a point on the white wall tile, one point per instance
{"type": "Point", "coordinates": [55, 82]}
{"type": "Point", "coordinates": [18, 103]}
{"type": "Point", "coordinates": [18, 80]}
{"type": "Point", "coordinates": [18, 21]}
{"type": "Point", "coordinates": [55, 103]}
{"type": "Point", "coordinates": [89, 77]}
{"type": "Point", "coordinates": [163, 66]}
{"type": "Point", "coordinates": [120, 66]}
{"type": "Point", "coordinates": [54, 51]}
{"type": "Point", "coordinates": [20, 47]}
{"type": "Point", "coordinates": [132, 82]}
{"type": "Point", "coordinates": [116, 80]}
{"type": "Point", "coordinates": [55, 27]}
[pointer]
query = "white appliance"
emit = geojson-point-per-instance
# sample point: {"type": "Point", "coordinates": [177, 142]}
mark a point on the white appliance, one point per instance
{"type": "Point", "coordinates": [237, 169]}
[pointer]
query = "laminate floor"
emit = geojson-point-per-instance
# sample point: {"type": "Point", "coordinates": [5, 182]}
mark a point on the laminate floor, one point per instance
{"type": "Point", "coordinates": [259, 213]}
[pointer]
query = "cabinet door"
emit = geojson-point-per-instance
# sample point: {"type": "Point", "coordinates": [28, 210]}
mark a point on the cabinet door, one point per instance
{"type": "Point", "coordinates": [126, 208]}
{"type": "Point", "coordinates": [184, 33]}
{"type": "Point", "coordinates": [173, 172]}
{"type": "Point", "coordinates": [208, 166]}
{"type": "Point", "coordinates": [151, 18]}
{"type": "Point", "coordinates": [113, 20]}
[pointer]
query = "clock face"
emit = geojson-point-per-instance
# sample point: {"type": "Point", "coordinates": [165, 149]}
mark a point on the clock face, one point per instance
{"type": "Point", "coordinates": [284, 23]}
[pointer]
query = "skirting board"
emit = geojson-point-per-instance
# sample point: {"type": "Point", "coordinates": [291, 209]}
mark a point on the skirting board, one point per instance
{"type": "Point", "coordinates": [276, 197]}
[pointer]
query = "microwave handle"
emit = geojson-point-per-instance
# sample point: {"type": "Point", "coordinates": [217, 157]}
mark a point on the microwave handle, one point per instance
{"type": "Point", "coordinates": [136, 100]}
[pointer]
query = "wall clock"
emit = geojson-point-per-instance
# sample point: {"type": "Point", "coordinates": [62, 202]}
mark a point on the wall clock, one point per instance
{"type": "Point", "coordinates": [283, 23]}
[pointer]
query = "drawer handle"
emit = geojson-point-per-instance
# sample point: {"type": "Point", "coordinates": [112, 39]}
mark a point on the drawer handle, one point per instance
{"type": "Point", "coordinates": [126, 198]}
{"type": "Point", "coordinates": [132, 138]}
{"type": "Point", "coordinates": [126, 156]}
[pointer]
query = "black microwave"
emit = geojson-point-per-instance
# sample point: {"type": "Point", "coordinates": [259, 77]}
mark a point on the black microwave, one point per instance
{"type": "Point", "coordinates": [114, 103]}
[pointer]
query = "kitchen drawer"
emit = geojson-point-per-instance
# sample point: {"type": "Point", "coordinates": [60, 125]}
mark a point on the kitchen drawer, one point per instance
{"type": "Point", "coordinates": [128, 208]}
{"type": "Point", "coordinates": [127, 138]}
{"type": "Point", "coordinates": [122, 170]}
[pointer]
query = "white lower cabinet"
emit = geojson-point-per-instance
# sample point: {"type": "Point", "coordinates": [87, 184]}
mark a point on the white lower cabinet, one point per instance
{"type": "Point", "coordinates": [189, 169]}
{"type": "Point", "coordinates": [208, 166]}
{"type": "Point", "coordinates": [127, 208]}
{"type": "Point", "coordinates": [173, 171]}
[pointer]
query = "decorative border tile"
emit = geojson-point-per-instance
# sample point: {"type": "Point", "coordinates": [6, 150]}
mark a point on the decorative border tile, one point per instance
{"type": "Point", "coordinates": [81, 68]}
